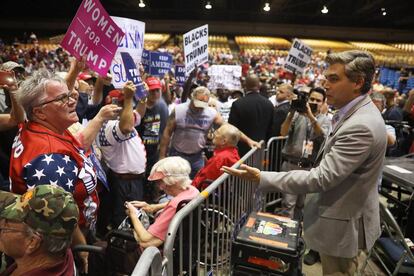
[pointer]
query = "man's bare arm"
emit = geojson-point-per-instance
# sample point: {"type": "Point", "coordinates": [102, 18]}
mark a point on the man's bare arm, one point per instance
{"type": "Point", "coordinates": [166, 136]}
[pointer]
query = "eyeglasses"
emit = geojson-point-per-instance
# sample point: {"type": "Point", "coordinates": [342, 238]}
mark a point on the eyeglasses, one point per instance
{"type": "Point", "coordinates": [63, 99]}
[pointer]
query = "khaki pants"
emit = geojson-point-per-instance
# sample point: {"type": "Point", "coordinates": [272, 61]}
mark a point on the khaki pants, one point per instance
{"type": "Point", "coordinates": [337, 266]}
{"type": "Point", "coordinates": [292, 203]}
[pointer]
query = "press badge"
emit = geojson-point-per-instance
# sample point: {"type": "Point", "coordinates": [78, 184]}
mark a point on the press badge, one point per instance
{"type": "Point", "coordinates": [307, 148]}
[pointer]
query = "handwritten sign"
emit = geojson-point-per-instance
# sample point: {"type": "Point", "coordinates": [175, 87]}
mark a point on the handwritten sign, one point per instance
{"type": "Point", "coordinates": [93, 35]}
{"type": "Point", "coordinates": [298, 58]}
{"type": "Point", "coordinates": [225, 77]}
{"type": "Point", "coordinates": [195, 48]}
{"type": "Point", "coordinates": [132, 43]}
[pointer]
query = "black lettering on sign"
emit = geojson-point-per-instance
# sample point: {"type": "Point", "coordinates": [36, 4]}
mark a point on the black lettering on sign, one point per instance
{"type": "Point", "coordinates": [195, 53]}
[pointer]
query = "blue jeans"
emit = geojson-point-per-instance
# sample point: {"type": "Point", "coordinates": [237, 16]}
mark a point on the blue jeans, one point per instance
{"type": "Point", "coordinates": [196, 160]}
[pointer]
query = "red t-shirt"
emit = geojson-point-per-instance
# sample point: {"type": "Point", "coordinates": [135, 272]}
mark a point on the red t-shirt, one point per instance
{"type": "Point", "coordinates": [41, 156]}
{"type": "Point", "coordinates": [64, 268]}
{"type": "Point", "coordinates": [211, 171]}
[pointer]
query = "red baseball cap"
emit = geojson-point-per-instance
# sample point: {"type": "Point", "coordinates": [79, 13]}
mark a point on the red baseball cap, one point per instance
{"type": "Point", "coordinates": [153, 83]}
{"type": "Point", "coordinates": [114, 94]}
{"type": "Point", "coordinates": [84, 76]}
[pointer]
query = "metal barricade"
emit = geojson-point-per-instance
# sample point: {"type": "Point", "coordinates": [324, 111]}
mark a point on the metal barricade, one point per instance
{"type": "Point", "coordinates": [150, 263]}
{"type": "Point", "coordinates": [273, 162]}
{"type": "Point", "coordinates": [199, 236]}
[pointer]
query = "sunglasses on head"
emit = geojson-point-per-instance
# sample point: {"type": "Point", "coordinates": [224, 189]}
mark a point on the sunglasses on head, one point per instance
{"type": "Point", "coordinates": [160, 175]}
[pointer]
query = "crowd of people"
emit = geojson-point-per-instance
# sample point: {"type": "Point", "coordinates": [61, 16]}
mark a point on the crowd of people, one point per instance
{"type": "Point", "coordinates": [69, 135]}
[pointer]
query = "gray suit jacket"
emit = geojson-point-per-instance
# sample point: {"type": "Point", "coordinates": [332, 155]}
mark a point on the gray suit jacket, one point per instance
{"type": "Point", "coordinates": [342, 213]}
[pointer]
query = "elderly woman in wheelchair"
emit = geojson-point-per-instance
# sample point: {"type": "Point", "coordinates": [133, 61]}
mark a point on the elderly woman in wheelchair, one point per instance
{"type": "Point", "coordinates": [172, 176]}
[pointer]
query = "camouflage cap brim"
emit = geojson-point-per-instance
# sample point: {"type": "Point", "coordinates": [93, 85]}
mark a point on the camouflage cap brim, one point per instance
{"type": "Point", "coordinates": [47, 209]}
{"type": "Point", "coordinates": [6, 199]}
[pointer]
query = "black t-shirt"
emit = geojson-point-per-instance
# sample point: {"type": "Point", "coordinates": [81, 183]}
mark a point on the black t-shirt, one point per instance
{"type": "Point", "coordinates": [84, 109]}
{"type": "Point", "coordinates": [152, 126]}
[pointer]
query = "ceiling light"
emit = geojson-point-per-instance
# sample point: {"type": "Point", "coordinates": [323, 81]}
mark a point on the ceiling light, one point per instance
{"type": "Point", "coordinates": [208, 5]}
{"type": "Point", "coordinates": [266, 8]}
{"type": "Point", "coordinates": [384, 13]}
{"type": "Point", "coordinates": [324, 10]}
{"type": "Point", "coordinates": [141, 4]}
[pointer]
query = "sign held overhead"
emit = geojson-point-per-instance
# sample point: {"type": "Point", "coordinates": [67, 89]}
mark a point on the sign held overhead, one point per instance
{"type": "Point", "coordinates": [195, 48]}
{"type": "Point", "coordinates": [299, 57]}
{"type": "Point", "coordinates": [93, 35]}
{"type": "Point", "coordinates": [132, 43]}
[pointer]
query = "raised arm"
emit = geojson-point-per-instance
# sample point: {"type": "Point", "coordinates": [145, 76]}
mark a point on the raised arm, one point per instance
{"type": "Point", "coordinates": [98, 89]}
{"type": "Point", "coordinates": [16, 115]}
{"type": "Point", "coordinates": [126, 120]}
{"type": "Point", "coordinates": [284, 130]}
{"type": "Point", "coordinates": [166, 136]}
{"type": "Point", "coordinates": [88, 135]}
{"type": "Point", "coordinates": [76, 66]}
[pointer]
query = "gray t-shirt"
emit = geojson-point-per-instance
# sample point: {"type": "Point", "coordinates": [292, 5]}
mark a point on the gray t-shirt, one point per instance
{"type": "Point", "coordinates": [301, 129]}
{"type": "Point", "coordinates": [191, 128]}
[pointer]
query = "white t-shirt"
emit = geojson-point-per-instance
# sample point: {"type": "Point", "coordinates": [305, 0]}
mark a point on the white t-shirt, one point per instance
{"type": "Point", "coordinates": [122, 153]}
{"type": "Point", "coordinates": [224, 108]}
{"type": "Point", "coordinates": [272, 99]}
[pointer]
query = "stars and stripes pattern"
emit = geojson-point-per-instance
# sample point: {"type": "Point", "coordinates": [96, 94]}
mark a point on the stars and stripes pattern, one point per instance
{"type": "Point", "coordinates": [109, 134]}
{"type": "Point", "coordinates": [54, 169]}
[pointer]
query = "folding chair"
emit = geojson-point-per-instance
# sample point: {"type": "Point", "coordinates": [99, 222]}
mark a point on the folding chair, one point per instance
{"type": "Point", "coordinates": [391, 249]}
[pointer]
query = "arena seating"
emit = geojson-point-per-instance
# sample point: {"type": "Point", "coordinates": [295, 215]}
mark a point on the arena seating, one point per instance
{"type": "Point", "coordinates": [153, 41]}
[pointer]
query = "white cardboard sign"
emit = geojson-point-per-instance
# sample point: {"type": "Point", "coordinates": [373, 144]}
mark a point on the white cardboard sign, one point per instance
{"type": "Point", "coordinates": [195, 44]}
{"type": "Point", "coordinates": [299, 57]}
{"type": "Point", "coordinates": [224, 76]}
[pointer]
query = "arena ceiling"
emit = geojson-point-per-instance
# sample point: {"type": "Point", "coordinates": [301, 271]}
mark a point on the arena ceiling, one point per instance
{"type": "Point", "coordinates": [344, 13]}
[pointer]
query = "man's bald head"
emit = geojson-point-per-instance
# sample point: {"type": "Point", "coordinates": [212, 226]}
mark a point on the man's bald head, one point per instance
{"type": "Point", "coordinates": [252, 83]}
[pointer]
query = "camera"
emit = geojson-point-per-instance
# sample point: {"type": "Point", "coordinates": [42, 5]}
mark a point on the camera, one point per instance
{"type": "Point", "coordinates": [299, 104]}
{"type": "Point", "coordinates": [313, 107]}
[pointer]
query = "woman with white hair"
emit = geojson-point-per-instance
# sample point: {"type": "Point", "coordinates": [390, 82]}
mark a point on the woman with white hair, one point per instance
{"type": "Point", "coordinates": [172, 176]}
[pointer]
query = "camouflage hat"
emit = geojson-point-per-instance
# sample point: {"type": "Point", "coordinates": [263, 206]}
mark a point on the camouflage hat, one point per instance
{"type": "Point", "coordinates": [46, 209]}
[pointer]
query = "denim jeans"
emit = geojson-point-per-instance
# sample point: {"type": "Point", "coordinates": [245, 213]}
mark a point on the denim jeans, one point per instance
{"type": "Point", "coordinates": [196, 160]}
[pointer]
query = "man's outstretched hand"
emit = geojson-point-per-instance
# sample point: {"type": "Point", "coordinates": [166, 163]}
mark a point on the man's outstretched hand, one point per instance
{"type": "Point", "coordinates": [245, 172]}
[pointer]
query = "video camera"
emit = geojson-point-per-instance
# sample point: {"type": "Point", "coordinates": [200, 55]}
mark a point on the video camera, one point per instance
{"type": "Point", "coordinates": [299, 104]}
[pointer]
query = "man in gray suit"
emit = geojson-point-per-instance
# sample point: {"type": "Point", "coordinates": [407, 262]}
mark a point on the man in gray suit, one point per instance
{"type": "Point", "coordinates": [342, 213]}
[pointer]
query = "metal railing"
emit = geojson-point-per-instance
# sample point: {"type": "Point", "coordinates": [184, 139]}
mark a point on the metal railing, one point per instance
{"type": "Point", "coordinates": [150, 263]}
{"type": "Point", "coordinates": [199, 236]}
{"type": "Point", "coordinates": [273, 162]}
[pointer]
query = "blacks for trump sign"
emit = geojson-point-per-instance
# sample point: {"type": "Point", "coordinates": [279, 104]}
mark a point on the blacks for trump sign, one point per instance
{"type": "Point", "coordinates": [195, 48]}
{"type": "Point", "coordinates": [299, 57]}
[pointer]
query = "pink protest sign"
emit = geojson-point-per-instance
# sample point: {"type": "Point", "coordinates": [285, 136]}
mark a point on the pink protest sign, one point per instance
{"type": "Point", "coordinates": [93, 35]}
